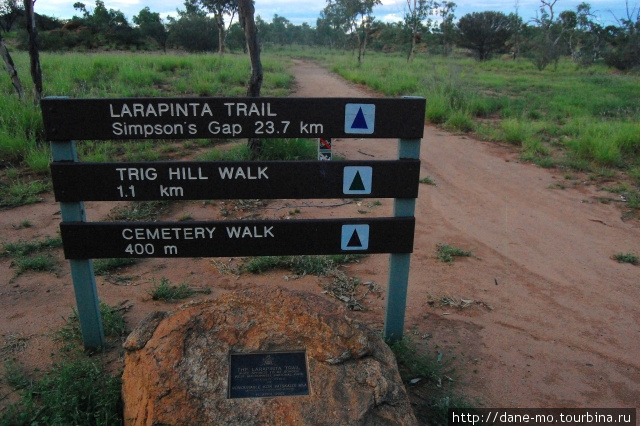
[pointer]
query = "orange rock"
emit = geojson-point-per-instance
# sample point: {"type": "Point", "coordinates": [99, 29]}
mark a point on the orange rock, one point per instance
{"type": "Point", "coordinates": [176, 364]}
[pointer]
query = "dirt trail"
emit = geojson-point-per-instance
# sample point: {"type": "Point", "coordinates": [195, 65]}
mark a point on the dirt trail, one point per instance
{"type": "Point", "coordinates": [565, 324]}
{"type": "Point", "coordinates": [554, 321]}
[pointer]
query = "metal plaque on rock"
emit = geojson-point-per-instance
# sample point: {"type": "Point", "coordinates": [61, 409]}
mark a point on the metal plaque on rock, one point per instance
{"type": "Point", "coordinates": [268, 374]}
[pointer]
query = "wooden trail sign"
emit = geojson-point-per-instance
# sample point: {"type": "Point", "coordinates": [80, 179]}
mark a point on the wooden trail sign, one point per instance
{"type": "Point", "coordinates": [229, 238]}
{"type": "Point", "coordinates": [205, 118]}
{"type": "Point", "coordinates": [209, 180]}
{"type": "Point", "coordinates": [190, 118]}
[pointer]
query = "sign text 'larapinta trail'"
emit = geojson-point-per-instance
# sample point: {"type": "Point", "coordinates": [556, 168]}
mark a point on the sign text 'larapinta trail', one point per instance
{"type": "Point", "coordinates": [229, 180]}
{"type": "Point", "coordinates": [194, 118]}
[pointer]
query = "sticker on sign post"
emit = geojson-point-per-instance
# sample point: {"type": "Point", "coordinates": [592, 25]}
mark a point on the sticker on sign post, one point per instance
{"type": "Point", "coordinates": [355, 237]}
{"type": "Point", "coordinates": [357, 180]}
{"type": "Point", "coordinates": [359, 118]}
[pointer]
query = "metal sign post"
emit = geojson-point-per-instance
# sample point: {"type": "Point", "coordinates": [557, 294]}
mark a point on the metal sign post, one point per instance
{"type": "Point", "coordinates": [399, 263]}
{"type": "Point", "coordinates": [82, 274]}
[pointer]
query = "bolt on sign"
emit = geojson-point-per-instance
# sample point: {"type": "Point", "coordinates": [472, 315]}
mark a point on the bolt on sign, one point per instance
{"type": "Point", "coordinates": [67, 120]}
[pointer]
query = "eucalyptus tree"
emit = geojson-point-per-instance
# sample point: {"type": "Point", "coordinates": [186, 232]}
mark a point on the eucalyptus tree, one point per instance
{"type": "Point", "coordinates": [545, 48]}
{"type": "Point", "coordinates": [418, 11]}
{"type": "Point", "coordinates": [446, 15]}
{"type": "Point", "coordinates": [332, 24]}
{"type": "Point", "coordinates": [358, 14]}
{"type": "Point", "coordinates": [220, 8]}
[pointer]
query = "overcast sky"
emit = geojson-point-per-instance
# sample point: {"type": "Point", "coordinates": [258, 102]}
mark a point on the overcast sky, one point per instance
{"type": "Point", "coordinates": [308, 10]}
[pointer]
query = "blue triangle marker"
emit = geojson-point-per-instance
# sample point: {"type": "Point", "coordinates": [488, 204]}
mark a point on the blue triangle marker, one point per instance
{"type": "Point", "coordinates": [359, 122]}
{"type": "Point", "coordinates": [359, 119]}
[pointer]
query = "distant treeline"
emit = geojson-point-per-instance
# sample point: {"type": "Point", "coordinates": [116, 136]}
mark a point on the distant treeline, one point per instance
{"type": "Point", "coordinates": [428, 26]}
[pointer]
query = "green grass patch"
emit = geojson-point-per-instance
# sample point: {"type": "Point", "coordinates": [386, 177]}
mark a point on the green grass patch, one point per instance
{"type": "Point", "coordinates": [166, 292]}
{"type": "Point", "coordinates": [272, 149]}
{"type": "Point", "coordinates": [20, 193]}
{"type": "Point", "coordinates": [428, 181]}
{"type": "Point", "coordinates": [447, 253]}
{"type": "Point", "coordinates": [107, 266]}
{"type": "Point", "coordinates": [25, 248]}
{"type": "Point", "coordinates": [301, 265]}
{"type": "Point", "coordinates": [139, 211]}
{"type": "Point", "coordinates": [459, 121]}
{"type": "Point", "coordinates": [27, 255]}
{"type": "Point", "coordinates": [431, 374]}
{"type": "Point", "coordinates": [38, 263]}
{"type": "Point", "coordinates": [603, 127]}
{"type": "Point", "coordinates": [113, 324]}
{"type": "Point", "coordinates": [626, 258]}
{"type": "Point", "coordinates": [75, 392]}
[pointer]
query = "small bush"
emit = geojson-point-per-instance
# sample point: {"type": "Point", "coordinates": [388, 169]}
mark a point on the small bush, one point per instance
{"type": "Point", "coordinates": [166, 292]}
{"type": "Point", "coordinates": [460, 121]}
{"type": "Point", "coordinates": [515, 131]}
{"type": "Point", "coordinates": [626, 258]}
{"type": "Point", "coordinates": [437, 109]}
{"type": "Point", "coordinates": [36, 264]}
{"type": "Point", "coordinates": [446, 253]}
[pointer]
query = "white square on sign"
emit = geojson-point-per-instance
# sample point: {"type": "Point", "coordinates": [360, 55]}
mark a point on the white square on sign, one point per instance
{"type": "Point", "coordinates": [357, 180]}
{"type": "Point", "coordinates": [355, 237]}
{"type": "Point", "coordinates": [359, 118]}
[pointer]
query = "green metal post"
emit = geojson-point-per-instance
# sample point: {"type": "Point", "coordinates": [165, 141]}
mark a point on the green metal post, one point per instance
{"type": "Point", "coordinates": [399, 263]}
{"type": "Point", "coordinates": [82, 274]}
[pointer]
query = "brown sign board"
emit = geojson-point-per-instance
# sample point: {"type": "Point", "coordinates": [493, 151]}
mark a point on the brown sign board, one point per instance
{"type": "Point", "coordinates": [228, 238]}
{"type": "Point", "coordinates": [170, 180]}
{"type": "Point", "coordinates": [235, 118]}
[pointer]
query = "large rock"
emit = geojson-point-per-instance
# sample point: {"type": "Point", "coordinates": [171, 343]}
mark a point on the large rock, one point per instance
{"type": "Point", "coordinates": [176, 364]}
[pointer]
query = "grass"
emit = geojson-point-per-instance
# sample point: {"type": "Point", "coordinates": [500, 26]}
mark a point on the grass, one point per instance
{"type": "Point", "coordinates": [28, 256]}
{"type": "Point", "coordinates": [447, 253]}
{"type": "Point", "coordinates": [301, 265]}
{"type": "Point", "coordinates": [77, 390]}
{"type": "Point", "coordinates": [113, 324]}
{"type": "Point", "coordinates": [139, 211]}
{"type": "Point", "coordinates": [428, 181]}
{"type": "Point", "coordinates": [432, 375]}
{"type": "Point", "coordinates": [524, 104]}
{"type": "Point", "coordinates": [626, 258]}
{"type": "Point", "coordinates": [38, 263]}
{"type": "Point", "coordinates": [272, 149]}
{"type": "Point", "coordinates": [107, 75]}
{"type": "Point", "coordinates": [106, 266]}
{"type": "Point", "coordinates": [18, 192]}
{"type": "Point", "coordinates": [166, 292]}
{"type": "Point", "coordinates": [26, 248]}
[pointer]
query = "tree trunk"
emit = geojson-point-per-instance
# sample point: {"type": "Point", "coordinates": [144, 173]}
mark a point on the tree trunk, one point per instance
{"type": "Point", "coordinates": [246, 12]}
{"type": "Point", "coordinates": [11, 68]}
{"type": "Point", "coordinates": [34, 55]}
{"type": "Point", "coordinates": [221, 32]}
{"type": "Point", "coordinates": [413, 47]}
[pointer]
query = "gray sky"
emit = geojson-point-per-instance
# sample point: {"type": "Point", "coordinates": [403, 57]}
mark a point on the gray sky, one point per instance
{"type": "Point", "coordinates": [308, 10]}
